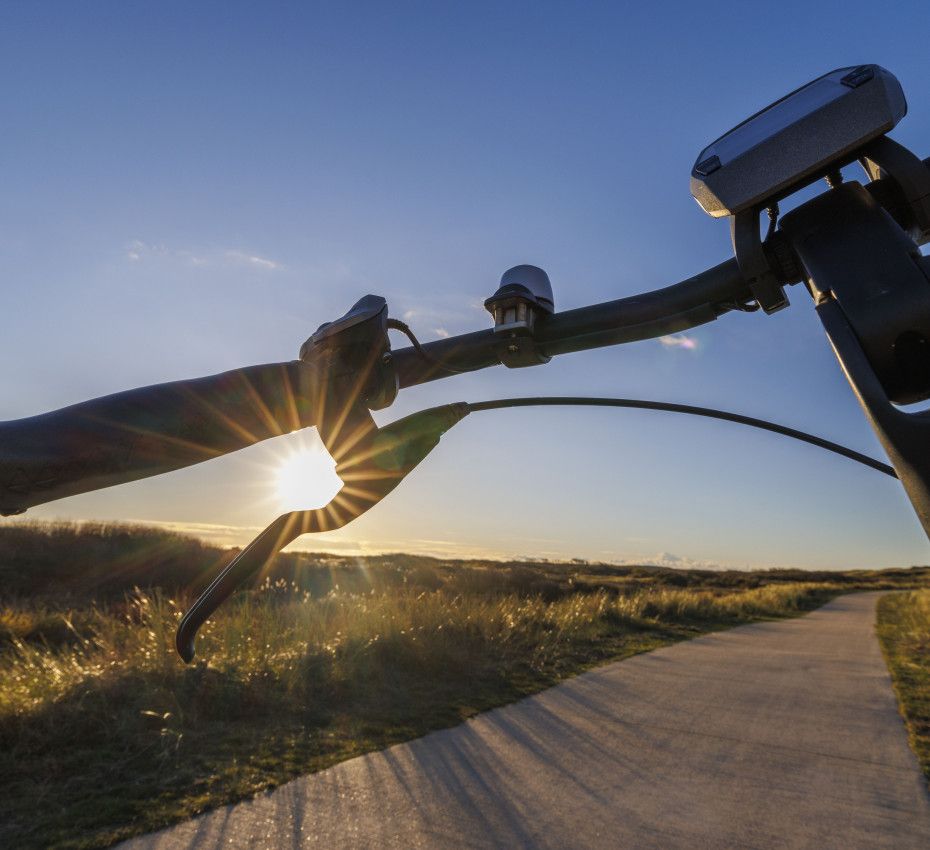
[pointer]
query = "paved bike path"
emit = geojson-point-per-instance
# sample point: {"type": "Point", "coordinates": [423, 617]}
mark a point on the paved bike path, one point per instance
{"type": "Point", "coordinates": [772, 735]}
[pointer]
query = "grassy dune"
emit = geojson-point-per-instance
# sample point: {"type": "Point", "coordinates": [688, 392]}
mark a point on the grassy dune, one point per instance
{"type": "Point", "coordinates": [904, 631]}
{"type": "Point", "coordinates": [104, 733]}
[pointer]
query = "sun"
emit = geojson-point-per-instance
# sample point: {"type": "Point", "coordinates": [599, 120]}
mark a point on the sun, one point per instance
{"type": "Point", "coordinates": [306, 478]}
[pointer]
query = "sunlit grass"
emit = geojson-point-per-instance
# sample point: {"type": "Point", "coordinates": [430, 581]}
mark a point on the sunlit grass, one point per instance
{"type": "Point", "coordinates": [904, 631]}
{"type": "Point", "coordinates": [273, 632]}
{"type": "Point", "coordinates": [124, 738]}
{"type": "Point", "coordinates": [104, 733]}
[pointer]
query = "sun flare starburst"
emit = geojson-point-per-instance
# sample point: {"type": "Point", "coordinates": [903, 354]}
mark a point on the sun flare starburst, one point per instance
{"type": "Point", "coordinates": [306, 478]}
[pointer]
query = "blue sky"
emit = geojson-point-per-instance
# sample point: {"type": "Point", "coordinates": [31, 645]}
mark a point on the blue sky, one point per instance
{"type": "Point", "coordinates": [194, 187]}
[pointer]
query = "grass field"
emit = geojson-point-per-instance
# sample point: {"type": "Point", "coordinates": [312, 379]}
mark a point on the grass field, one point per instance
{"type": "Point", "coordinates": [104, 733]}
{"type": "Point", "coordinates": [904, 631]}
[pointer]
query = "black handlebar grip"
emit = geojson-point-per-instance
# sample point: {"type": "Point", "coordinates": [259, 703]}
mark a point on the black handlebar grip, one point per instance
{"type": "Point", "coordinates": [148, 431]}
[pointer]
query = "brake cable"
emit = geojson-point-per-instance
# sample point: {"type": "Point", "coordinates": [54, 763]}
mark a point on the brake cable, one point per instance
{"type": "Point", "coordinates": [407, 331]}
{"type": "Point", "coordinates": [709, 412]}
{"type": "Point", "coordinates": [642, 404]}
{"type": "Point", "coordinates": [380, 458]}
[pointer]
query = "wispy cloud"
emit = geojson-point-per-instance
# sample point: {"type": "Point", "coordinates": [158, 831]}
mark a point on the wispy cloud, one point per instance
{"type": "Point", "coordinates": [422, 316]}
{"type": "Point", "coordinates": [683, 562]}
{"type": "Point", "coordinates": [678, 562]}
{"type": "Point", "coordinates": [134, 250]}
{"type": "Point", "coordinates": [242, 257]}
{"type": "Point", "coordinates": [689, 343]}
{"type": "Point", "coordinates": [219, 535]}
{"type": "Point", "coordinates": [138, 251]}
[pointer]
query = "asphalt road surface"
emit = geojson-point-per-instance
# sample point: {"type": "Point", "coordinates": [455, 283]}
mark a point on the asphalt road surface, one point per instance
{"type": "Point", "coordinates": [772, 735]}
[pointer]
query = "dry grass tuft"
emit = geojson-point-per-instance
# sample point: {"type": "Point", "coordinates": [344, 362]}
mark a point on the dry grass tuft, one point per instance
{"type": "Point", "coordinates": [904, 631]}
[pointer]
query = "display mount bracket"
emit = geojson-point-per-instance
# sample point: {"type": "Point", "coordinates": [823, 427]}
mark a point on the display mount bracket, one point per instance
{"type": "Point", "coordinates": [872, 295]}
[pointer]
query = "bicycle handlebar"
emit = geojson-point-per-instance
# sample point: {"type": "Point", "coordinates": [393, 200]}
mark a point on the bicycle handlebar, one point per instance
{"type": "Point", "coordinates": [673, 309]}
{"type": "Point", "coordinates": [157, 429]}
{"type": "Point", "coordinates": [148, 431]}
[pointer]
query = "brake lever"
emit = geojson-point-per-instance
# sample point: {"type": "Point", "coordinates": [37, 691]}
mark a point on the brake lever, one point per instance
{"type": "Point", "coordinates": [371, 462]}
{"type": "Point", "coordinates": [374, 465]}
